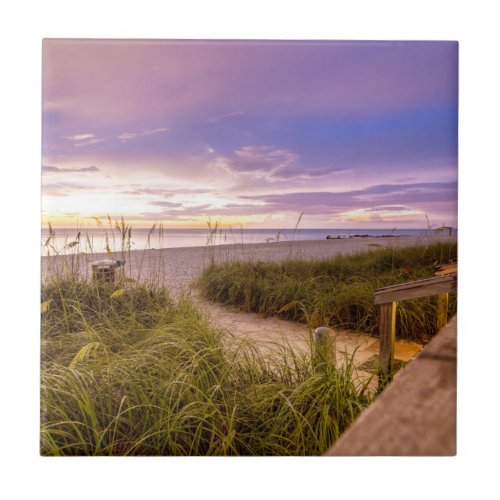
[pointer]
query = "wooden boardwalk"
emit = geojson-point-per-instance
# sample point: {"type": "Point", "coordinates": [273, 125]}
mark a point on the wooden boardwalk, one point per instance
{"type": "Point", "coordinates": [416, 414]}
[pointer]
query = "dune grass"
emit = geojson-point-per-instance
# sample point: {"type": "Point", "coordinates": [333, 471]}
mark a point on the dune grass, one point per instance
{"type": "Point", "coordinates": [337, 292]}
{"type": "Point", "coordinates": [128, 371]}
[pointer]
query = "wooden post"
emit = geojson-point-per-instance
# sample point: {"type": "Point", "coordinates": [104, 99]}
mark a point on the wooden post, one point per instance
{"type": "Point", "coordinates": [388, 297]}
{"type": "Point", "coordinates": [324, 345]}
{"type": "Point", "coordinates": [387, 341]}
{"type": "Point", "coordinates": [442, 310]}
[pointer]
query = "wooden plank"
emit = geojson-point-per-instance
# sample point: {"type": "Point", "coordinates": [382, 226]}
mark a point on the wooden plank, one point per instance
{"type": "Point", "coordinates": [387, 341]}
{"type": "Point", "coordinates": [444, 269]}
{"type": "Point", "coordinates": [416, 289]}
{"type": "Point", "coordinates": [442, 310]}
{"type": "Point", "coordinates": [416, 415]}
{"type": "Point", "coordinates": [414, 284]}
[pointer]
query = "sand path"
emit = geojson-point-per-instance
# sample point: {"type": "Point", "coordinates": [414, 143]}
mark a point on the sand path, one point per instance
{"type": "Point", "coordinates": [179, 268]}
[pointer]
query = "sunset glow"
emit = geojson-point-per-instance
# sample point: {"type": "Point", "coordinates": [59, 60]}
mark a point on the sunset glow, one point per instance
{"type": "Point", "coordinates": [351, 134]}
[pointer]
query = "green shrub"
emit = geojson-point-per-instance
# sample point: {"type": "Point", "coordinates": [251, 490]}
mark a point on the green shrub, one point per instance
{"type": "Point", "coordinates": [127, 371]}
{"type": "Point", "coordinates": [336, 292]}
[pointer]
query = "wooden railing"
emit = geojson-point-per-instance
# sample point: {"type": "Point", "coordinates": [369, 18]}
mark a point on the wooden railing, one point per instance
{"type": "Point", "coordinates": [388, 298]}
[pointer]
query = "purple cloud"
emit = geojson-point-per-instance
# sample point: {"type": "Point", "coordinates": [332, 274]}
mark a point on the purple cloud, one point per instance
{"type": "Point", "coordinates": [418, 194]}
{"type": "Point", "coordinates": [127, 136]}
{"type": "Point", "coordinates": [79, 137]}
{"type": "Point", "coordinates": [270, 162]}
{"type": "Point", "coordinates": [391, 208]}
{"type": "Point", "coordinates": [258, 160]}
{"type": "Point", "coordinates": [47, 169]}
{"type": "Point", "coordinates": [163, 191]}
{"type": "Point", "coordinates": [325, 127]}
{"type": "Point", "coordinates": [166, 204]}
{"type": "Point", "coordinates": [217, 119]}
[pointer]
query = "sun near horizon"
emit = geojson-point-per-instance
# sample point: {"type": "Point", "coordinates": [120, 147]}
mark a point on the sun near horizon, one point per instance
{"type": "Point", "coordinates": [250, 134]}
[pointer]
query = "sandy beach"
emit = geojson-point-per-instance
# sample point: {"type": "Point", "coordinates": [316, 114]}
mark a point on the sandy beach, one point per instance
{"type": "Point", "coordinates": [178, 268]}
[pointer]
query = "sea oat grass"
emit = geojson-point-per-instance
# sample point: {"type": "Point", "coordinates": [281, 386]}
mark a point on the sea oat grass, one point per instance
{"type": "Point", "coordinates": [338, 291]}
{"type": "Point", "coordinates": [136, 373]}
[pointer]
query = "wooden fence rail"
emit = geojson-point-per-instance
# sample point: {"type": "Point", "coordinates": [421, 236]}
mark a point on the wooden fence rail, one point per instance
{"type": "Point", "coordinates": [388, 298]}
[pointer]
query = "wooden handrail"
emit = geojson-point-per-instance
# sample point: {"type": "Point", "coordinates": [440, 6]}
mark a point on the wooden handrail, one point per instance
{"type": "Point", "coordinates": [443, 269]}
{"type": "Point", "coordinates": [388, 298]}
{"type": "Point", "coordinates": [416, 289]}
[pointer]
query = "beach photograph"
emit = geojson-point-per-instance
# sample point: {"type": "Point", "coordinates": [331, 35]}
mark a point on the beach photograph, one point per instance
{"type": "Point", "coordinates": [248, 248]}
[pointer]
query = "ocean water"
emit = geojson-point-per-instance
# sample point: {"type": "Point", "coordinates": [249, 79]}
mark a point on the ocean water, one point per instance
{"type": "Point", "coordinates": [98, 239]}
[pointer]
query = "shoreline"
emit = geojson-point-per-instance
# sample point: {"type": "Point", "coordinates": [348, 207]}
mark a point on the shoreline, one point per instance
{"type": "Point", "coordinates": [178, 268]}
{"type": "Point", "coordinates": [354, 240]}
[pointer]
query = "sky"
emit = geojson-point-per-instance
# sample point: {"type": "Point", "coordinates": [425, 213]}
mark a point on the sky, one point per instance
{"type": "Point", "coordinates": [252, 134]}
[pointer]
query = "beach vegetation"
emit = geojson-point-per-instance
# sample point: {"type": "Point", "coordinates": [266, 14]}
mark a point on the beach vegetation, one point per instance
{"type": "Point", "coordinates": [337, 291]}
{"type": "Point", "coordinates": [126, 370]}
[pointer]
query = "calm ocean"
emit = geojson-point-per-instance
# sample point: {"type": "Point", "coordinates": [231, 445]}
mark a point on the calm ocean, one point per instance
{"type": "Point", "coordinates": [95, 238]}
